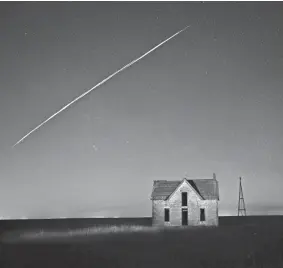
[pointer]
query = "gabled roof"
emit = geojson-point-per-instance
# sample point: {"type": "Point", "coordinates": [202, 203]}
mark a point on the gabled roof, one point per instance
{"type": "Point", "coordinates": [162, 189]}
{"type": "Point", "coordinates": [206, 188]}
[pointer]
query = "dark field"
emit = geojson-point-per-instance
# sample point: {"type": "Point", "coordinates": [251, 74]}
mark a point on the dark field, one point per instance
{"type": "Point", "coordinates": [238, 242]}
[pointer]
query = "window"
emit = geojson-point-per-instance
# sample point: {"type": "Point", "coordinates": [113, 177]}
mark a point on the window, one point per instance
{"type": "Point", "coordinates": [184, 199]}
{"type": "Point", "coordinates": [166, 215]}
{"type": "Point", "coordinates": [202, 214]}
{"type": "Point", "coordinates": [184, 216]}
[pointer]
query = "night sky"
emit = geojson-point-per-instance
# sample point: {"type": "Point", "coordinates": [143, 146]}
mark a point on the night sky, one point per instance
{"type": "Point", "coordinates": [209, 100]}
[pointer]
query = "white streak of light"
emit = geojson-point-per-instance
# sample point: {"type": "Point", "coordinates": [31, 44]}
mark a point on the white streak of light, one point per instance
{"type": "Point", "coordinates": [99, 84]}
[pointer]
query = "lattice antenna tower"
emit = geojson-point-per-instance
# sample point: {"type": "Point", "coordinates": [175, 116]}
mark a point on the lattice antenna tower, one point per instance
{"type": "Point", "coordinates": [241, 202]}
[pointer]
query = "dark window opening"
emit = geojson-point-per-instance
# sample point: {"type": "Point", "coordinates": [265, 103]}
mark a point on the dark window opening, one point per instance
{"type": "Point", "coordinates": [202, 214]}
{"type": "Point", "coordinates": [166, 215]}
{"type": "Point", "coordinates": [184, 199]}
{"type": "Point", "coordinates": [184, 216]}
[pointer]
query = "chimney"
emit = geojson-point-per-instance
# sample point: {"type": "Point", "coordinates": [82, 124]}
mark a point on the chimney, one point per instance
{"type": "Point", "coordinates": [214, 176]}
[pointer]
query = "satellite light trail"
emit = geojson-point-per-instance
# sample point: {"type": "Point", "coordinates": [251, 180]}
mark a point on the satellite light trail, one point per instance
{"type": "Point", "coordinates": [99, 84]}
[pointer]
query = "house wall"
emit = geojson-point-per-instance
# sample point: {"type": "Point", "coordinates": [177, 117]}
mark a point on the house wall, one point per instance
{"type": "Point", "coordinates": [158, 212]}
{"type": "Point", "coordinates": [195, 203]}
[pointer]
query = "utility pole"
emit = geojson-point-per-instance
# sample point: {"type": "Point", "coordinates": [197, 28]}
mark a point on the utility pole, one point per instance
{"type": "Point", "coordinates": [241, 202]}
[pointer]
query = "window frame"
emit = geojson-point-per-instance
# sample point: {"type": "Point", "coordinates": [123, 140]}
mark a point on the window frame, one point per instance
{"type": "Point", "coordinates": [202, 215]}
{"type": "Point", "coordinates": [166, 214]}
{"type": "Point", "coordinates": [186, 199]}
{"type": "Point", "coordinates": [184, 220]}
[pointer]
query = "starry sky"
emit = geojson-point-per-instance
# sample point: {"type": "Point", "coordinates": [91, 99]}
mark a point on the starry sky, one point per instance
{"type": "Point", "coordinates": [209, 100]}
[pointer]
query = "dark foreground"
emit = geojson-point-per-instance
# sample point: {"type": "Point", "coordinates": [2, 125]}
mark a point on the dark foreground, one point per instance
{"type": "Point", "coordinates": [237, 242]}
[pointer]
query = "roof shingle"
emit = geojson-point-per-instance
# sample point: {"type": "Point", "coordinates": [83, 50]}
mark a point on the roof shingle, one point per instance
{"type": "Point", "coordinates": [206, 188]}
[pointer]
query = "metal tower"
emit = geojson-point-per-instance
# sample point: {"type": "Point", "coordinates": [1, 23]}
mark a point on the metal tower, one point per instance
{"type": "Point", "coordinates": [241, 202]}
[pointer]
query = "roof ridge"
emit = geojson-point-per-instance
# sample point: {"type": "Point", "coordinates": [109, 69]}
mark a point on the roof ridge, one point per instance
{"type": "Point", "coordinates": [206, 188]}
{"type": "Point", "coordinates": [205, 179]}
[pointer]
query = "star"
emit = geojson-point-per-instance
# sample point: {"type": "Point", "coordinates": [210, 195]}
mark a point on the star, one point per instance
{"type": "Point", "coordinates": [87, 116]}
{"type": "Point", "coordinates": [261, 43]}
{"type": "Point", "coordinates": [94, 147]}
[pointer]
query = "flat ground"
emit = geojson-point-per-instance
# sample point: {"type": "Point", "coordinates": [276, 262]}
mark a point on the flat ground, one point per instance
{"type": "Point", "coordinates": [250, 242]}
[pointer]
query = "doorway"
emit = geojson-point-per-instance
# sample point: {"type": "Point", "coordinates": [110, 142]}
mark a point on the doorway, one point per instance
{"type": "Point", "coordinates": [184, 216]}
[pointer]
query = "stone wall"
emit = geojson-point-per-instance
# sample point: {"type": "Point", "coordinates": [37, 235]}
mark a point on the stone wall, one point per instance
{"type": "Point", "coordinates": [195, 203]}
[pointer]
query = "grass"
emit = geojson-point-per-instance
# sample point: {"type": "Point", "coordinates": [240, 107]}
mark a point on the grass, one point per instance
{"type": "Point", "coordinates": [45, 236]}
{"type": "Point", "coordinates": [236, 246]}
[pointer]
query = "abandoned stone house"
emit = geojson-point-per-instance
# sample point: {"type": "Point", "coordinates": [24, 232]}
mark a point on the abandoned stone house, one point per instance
{"type": "Point", "coordinates": [185, 202]}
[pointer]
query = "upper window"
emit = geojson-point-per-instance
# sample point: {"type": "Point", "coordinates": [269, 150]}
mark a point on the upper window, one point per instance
{"type": "Point", "coordinates": [166, 215]}
{"type": "Point", "coordinates": [184, 199]}
{"type": "Point", "coordinates": [202, 214]}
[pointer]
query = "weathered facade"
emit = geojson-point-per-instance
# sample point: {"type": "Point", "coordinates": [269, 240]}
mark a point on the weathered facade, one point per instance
{"type": "Point", "coordinates": [185, 202]}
